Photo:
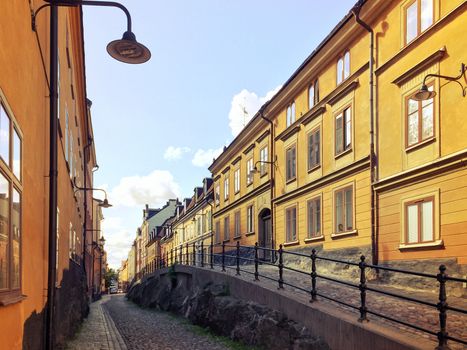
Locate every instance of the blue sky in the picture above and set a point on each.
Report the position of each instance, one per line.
(158, 125)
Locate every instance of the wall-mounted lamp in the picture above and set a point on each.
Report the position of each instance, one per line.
(255, 168)
(103, 204)
(424, 94)
(194, 217)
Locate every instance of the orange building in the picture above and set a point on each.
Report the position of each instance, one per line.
(24, 170)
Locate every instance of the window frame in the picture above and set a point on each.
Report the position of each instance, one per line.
(315, 86)
(262, 165)
(288, 238)
(12, 294)
(226, 228)
(419, 22)
(290, 119)
(217, 237)
(313, 200)
(236, 180)
(249, 171)
(312, 133)
(237, 224)
(340, 75)
(217, 194)
(250, 219)
(420, 119)
(419, 202)
(343, 190)
(336, 115)
(226, 188)
(294, 177)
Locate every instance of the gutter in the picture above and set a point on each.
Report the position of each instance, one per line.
(373, 157)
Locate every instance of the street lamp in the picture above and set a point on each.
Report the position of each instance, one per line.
(424, 94)
(255, 169)
(102, 203)
(126, 50)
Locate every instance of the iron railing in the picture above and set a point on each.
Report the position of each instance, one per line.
(199, 257)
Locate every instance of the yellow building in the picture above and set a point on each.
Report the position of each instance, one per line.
(242, 189)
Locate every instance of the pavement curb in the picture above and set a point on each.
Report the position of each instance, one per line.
(115, 340)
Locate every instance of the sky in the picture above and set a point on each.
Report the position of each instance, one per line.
(158, 126)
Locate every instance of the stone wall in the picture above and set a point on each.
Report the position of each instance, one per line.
(213, 307)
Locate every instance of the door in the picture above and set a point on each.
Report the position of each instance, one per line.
(265, 234)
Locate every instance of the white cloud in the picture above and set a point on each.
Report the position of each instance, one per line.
(153, 189)
(203, 158)
(118, 240)
(174, 153)
(244, 106)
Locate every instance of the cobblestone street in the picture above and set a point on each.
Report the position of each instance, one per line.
(116, 323)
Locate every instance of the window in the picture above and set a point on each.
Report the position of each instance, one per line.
(226, 228)
(291, 114)
(343, 200)
(314, 149)
(226, 188)
(249, 171)
(237, 181)
(290, 157)
(209, 220)
(249, 219)
(237, 230)
(199, 223)
(420, 120)
(263, 157)
(10, 206)
(418, 18)
(217, 195)
(313, 94)
(343, 130)
(291, 224)
(343, 67)
(218, 232)
(419, 221)
(314, 217)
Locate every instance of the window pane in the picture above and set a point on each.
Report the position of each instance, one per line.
(293, 113)
(346, 64)
(339, 212)
(16, 239)
(412, 132)
(288, 116)
(293, 161)
(16, 155)
(311, 222)
(4, 225)
(4, 136)
(311, 96)
(412, 223)
(310, 151)
(340, 68)
(293, 224)
(427, 14)
(427, 223)
(317, 144)
(411, 22)
(427, 122)
(339, 134)
(348, 134)
(317, 217)
(348, 209)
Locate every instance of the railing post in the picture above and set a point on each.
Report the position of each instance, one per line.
(202, 254)
(281, 268)
(313, 276)
(223, 256)
(238, 258)
(442, 307)
(211, 257)
(256, 262)
(362, 288)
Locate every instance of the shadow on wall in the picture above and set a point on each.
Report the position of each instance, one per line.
(71, 307)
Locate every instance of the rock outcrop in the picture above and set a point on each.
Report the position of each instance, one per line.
(212, 307)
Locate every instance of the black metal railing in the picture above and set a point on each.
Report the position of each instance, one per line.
(232, 253)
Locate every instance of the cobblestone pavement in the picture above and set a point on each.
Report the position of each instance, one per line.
(98, 331)
(410, 312)
(153, 330)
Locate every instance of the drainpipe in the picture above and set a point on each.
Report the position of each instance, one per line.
(373, 159)
(271, 172)
(53, 176)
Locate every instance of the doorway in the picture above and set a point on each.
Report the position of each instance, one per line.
(265, 234)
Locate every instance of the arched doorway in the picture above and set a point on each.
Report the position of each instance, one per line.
(265, 234)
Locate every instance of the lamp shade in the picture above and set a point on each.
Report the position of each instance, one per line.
(128, 50)
(424, 94)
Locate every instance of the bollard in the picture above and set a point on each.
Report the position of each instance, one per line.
(313, 276)
(362, 288)
(281, 268)
(256, 262)
(442, 307)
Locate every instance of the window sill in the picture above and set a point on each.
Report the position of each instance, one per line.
(288, 244)
(250, 233)
(237, 238)
(263, 175)
(344, 234)
(420, 144)
(314, 239)
(249, 184)
(226, 240)
(313, 168)
(437, 243)
(290, 181)
(343, 153)
(11, 298)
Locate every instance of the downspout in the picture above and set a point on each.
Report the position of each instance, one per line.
(85, 161)
(373, 159)
(53, 176)
(271, 171)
